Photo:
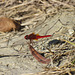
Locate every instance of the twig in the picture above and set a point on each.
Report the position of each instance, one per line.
(69, 42)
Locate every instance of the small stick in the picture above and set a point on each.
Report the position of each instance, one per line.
(69, 42)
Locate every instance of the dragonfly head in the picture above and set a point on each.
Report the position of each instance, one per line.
(26, 37)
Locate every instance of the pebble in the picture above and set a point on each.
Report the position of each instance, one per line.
(71, 31)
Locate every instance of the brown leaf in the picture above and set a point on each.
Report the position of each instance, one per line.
(7, 24)
(39, 57)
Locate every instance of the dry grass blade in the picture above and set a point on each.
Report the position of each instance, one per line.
(70, 6)
(69, 42)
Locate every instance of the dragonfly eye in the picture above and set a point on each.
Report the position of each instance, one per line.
(26, 37)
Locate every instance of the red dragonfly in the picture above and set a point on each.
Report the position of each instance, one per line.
(33, 36)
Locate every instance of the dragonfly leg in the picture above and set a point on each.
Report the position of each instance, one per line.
(31, 42)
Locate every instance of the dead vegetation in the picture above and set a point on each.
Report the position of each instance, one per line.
(7, 25)
(33, 11)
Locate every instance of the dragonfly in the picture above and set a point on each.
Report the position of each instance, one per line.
(34, 36)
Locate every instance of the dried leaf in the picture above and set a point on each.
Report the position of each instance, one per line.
(7, 24)
(39, 57)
